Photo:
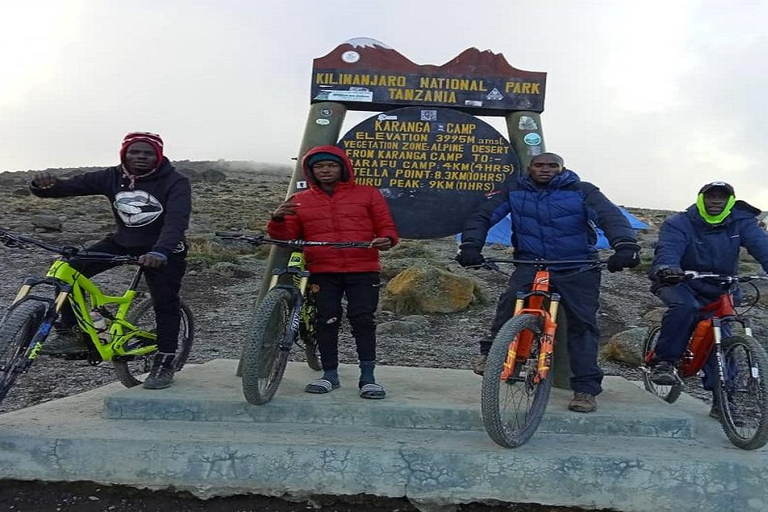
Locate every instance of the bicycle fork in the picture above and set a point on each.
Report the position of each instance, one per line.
(524, 340)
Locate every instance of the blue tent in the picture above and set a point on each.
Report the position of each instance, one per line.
(501, 232)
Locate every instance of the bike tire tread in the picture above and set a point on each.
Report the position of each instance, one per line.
(760, 438)
(490, 407)
(253, 351)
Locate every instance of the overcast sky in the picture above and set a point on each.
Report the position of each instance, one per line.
(647, 99)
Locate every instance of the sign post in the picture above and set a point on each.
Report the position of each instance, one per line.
(425, 149)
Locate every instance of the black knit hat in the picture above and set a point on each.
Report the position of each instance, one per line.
(717, 184)
(323, 157)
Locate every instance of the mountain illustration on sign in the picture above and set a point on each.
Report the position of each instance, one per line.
(377, 55)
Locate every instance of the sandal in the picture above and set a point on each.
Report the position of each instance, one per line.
(372, 391)
(321, 386)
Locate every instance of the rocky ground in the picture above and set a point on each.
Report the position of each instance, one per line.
(223, 281)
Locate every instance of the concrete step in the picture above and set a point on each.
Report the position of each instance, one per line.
(72, 440)
(417, 398)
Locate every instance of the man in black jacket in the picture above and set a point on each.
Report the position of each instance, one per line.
(151, 203)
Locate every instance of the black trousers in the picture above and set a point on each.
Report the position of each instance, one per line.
(164, 284)
(579, 295)
(362, 292)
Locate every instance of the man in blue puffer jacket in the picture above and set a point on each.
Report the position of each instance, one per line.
(553, 217)
(706, 237)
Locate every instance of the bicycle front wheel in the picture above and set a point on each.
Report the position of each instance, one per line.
(16, 332)
(265, 354)
(742, 398)
(512, 409)
(142, 316)
(667, 393)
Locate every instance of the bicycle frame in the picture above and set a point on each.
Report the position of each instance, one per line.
(520, 348)
(299, 275)
(85, 296)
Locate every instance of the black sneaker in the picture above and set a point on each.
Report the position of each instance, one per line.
(160, 377)
(65, 340)
(161, 374)
(663, 374)
(714, 412)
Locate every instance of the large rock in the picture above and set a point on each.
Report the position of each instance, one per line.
(626, 346)
(653, 317)
(428, 289)
(398, 327)
(393, 266)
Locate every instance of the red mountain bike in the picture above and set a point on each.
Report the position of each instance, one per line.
(741, 392)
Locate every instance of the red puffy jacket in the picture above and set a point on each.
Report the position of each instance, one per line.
(354, 213)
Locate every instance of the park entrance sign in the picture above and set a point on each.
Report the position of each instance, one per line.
(424, 148)
(424, 158)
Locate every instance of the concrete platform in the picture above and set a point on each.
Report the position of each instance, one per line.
(418, 398)
(249, 449)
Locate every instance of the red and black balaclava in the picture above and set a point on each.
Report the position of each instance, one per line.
(153, 140)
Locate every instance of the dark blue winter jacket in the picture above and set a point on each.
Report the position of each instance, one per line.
(555, 222)
(687, 242)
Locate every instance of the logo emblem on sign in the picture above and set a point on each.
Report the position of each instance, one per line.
(532, 139)
(495, 95)
(350, 57)
(429, 115)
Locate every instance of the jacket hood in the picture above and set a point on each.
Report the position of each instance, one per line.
(347, 172)
(741, 210)
(565, 178)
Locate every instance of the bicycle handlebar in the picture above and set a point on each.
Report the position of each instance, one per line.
(491, 263)
(724, 278)
(67, 251)
(294, 244)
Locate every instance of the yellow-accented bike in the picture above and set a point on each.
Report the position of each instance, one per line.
(114, 331)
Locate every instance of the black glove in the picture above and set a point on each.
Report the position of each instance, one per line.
(624, 257)
(670, 275)
(469, 256)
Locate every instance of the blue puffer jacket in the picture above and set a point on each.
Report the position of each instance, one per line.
(687, 242)
(556, 222)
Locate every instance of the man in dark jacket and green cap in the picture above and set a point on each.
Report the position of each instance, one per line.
(707, 237)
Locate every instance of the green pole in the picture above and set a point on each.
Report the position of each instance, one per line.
(520, 125)
(323, 127)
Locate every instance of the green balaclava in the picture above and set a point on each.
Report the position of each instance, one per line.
(715, 219)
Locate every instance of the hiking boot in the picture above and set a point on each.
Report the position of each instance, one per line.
(66, 340)
(478, 364)
(664, 374)
(714, 412)
(161, 374)
(583, 402)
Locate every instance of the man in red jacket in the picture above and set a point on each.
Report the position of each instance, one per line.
(335, 209)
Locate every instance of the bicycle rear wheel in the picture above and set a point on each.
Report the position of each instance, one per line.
(667, 393)
(129, 369)
(16, 332)
(743, 399)
(512, 409)
(265, 354)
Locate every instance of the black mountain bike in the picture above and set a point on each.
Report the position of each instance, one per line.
(286, 315)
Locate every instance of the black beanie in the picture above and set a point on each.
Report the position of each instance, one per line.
(321, 157)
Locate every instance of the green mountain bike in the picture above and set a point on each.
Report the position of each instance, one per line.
(127, 337)
(286, 315)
